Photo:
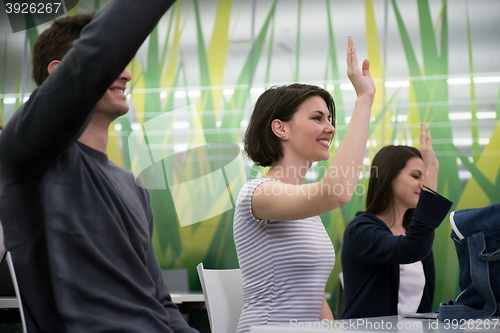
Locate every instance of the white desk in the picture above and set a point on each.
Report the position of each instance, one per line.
(384, 324)
(8, 303)
(179, 298)
(11, 302)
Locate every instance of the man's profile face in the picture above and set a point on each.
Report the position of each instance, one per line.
(113, 103)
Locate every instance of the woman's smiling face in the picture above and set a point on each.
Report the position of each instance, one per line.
(310, 131)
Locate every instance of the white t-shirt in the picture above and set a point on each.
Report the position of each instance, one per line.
(411, 287)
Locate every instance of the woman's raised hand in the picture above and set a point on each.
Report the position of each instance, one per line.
(429, 156)
(426, 148)
(360, 79)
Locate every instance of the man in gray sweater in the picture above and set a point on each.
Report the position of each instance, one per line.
(78, 227)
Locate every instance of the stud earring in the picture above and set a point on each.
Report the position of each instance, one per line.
(283, 136)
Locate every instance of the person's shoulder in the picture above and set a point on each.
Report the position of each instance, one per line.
(102, 161)
(258, 181)
(130, 182)
(247, 190)
(126, 174)
(363, 220)
(249, 187)
(363, 217)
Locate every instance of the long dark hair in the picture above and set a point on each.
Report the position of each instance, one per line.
(386, 165)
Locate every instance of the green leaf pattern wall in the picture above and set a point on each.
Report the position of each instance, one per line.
(429, 58)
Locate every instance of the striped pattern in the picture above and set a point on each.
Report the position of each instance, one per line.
(284, 265)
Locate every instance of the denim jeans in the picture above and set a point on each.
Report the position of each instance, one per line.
(476, 233)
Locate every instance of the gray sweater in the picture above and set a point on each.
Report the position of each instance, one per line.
(78, 227)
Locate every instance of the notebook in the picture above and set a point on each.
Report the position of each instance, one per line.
(427, 315)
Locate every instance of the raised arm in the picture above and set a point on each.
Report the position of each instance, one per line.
(350, 154)
(371, 243)
(280, 201)
(430, 160)
(59, 110)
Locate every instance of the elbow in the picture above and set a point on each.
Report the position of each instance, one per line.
(339, 200)
(335, 195)
(338, 196)
(418, 252)
(344, 198)
(424, 252)
(345, 194)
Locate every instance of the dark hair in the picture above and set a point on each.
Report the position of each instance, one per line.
(386, 165)
(278, 102)
(55, 42)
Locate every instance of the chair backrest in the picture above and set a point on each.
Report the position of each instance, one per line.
(340, 297)
(223, 291)
(8, 257)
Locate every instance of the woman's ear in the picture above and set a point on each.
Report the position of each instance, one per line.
(52, 65)
(279, 129)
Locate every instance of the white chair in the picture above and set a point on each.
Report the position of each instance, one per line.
(8, 257)
(223, 293)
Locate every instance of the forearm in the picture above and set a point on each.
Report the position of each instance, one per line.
(177, 322)
(371, 244)
(367, 240)
(58, 111)
(326, 312)
(431, 209)
(344, 169)
(431, 177)
(429, 157)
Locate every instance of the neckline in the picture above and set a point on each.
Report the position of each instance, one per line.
(98, 155)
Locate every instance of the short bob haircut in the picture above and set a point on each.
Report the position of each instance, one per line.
(386, 165)
(54, 42)
(279, 102)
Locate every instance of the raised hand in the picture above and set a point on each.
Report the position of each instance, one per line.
(426, 149)
(429, 156)
(360, 79)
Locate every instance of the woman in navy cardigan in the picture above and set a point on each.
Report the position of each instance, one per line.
(387, 258)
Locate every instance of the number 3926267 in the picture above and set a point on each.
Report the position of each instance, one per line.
(32, 8)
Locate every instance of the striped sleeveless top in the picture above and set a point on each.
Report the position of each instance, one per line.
(284, 265)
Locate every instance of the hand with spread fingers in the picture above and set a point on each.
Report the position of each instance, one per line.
(360, 79)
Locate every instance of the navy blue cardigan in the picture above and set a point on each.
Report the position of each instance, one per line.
(371, 256)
